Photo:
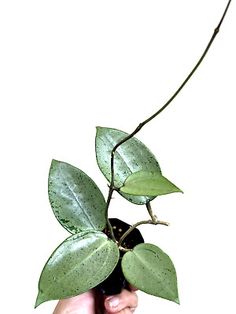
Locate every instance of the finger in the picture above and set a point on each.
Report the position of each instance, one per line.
(127, 311)
(125, 300)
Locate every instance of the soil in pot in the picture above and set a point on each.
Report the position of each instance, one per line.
(116, 281)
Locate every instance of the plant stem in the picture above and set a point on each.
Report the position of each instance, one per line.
(132, 228)
(111, 190)
(121, 248)
(143, 222)
(142, 124)
(149, 208)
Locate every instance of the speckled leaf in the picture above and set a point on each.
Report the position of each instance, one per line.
(80, 263)
(149, 269)
(130, 157)
(77, 202)
(148, 183)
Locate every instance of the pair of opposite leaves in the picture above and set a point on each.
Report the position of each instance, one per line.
(88, 257)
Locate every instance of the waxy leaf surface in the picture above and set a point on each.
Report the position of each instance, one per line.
(80, 263)
(149, 269)
(148, 183)
(77, 202)
(130, 157)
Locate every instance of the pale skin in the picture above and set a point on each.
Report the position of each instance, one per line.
(93, 303)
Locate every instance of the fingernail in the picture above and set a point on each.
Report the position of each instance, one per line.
(113, 302)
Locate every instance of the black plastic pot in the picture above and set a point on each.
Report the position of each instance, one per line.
(116, 281)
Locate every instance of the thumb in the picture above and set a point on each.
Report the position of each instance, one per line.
(119, 302)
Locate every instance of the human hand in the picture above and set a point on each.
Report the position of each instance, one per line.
(93, 303)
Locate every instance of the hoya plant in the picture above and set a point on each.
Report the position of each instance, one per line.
(103, 252)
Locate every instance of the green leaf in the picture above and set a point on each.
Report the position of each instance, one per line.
(130, 157)
(149, 269)
(80, 263)
(77, 202)
(148, 183)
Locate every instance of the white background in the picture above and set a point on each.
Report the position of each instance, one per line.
(68, 66)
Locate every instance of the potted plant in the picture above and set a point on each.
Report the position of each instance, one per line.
(105, 252)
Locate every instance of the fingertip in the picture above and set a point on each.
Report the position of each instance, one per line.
(111, 303)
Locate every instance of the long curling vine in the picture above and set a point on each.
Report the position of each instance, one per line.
(112, 187)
